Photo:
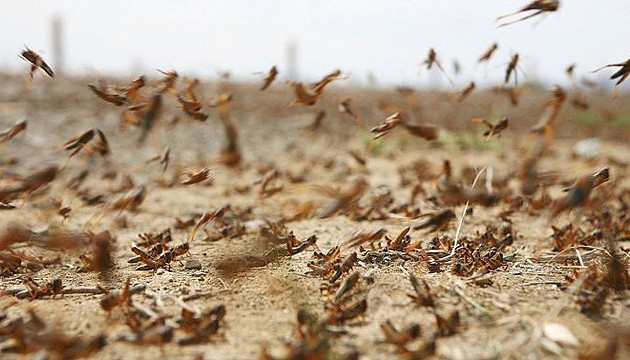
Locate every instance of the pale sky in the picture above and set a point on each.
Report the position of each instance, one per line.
(388, 38)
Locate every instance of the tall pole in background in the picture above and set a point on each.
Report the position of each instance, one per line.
(292, 60)
(57, 44)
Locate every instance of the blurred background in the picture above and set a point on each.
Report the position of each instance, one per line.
(384, 42)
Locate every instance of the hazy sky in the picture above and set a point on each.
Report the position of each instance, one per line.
(388, 38)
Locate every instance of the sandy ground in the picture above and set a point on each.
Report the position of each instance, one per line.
(504, 317)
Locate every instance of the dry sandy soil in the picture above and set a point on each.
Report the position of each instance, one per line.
(504, 313)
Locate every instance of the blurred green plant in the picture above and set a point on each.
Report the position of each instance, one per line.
(592, 118)
(373, 147)
(466, 140)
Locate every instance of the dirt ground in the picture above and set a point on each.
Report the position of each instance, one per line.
(504, 312)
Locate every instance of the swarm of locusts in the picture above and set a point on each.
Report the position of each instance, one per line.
(439, 234)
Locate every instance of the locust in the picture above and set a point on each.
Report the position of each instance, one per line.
(197, 177)
(318, 87)
(397, 337)
(493, 129)
(363, 236)
(30, 183)
(549, 120)
(317, 121)
(162, 159)
(512, 69)
(269, 78)
(537, 6)
(485, 57)
(80, 142)
(189, 102)
(425, 131)
(570, 70)
(309, 96)
(466, 91)
(149, 114)
(422, 293)
(10, 133)
(578, 194)
(345, 197)
(432, 59)
(346, 286)
(108, 95)
(622, 73)
(294, 246)
(387, 125)
(437, 221)
(167, 83)
(345, 108)
(37, 291)
(37, 62)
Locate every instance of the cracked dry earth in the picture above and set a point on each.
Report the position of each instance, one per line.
(523, 308)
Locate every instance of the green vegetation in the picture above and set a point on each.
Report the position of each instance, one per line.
(466, 140)
(592, 118)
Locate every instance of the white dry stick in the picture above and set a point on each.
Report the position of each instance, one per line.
(225, 286)
(581, 256)
(404, 271)
(180, 301)
(461, 220)
(577, 251)
(489, 179)
(146, 311)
